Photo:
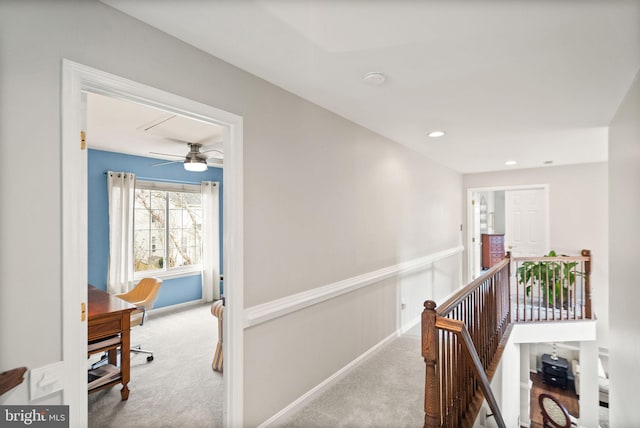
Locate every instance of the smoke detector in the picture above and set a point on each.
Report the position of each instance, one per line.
(374, 78)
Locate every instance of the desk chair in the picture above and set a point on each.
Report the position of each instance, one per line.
(143, 295)
(217, 310)
(554, 414)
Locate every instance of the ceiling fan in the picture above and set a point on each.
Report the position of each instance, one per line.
(194, 160)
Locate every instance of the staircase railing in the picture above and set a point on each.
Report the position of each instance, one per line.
(463, 339)
(554, 288)
(462, 342)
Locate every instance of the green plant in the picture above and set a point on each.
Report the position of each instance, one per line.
(553, 277)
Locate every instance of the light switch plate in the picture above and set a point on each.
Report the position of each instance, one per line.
(46, 380)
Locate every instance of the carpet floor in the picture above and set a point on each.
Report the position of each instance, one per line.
(385, 390)
(178, 388)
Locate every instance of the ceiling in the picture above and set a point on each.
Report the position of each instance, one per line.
(126, 127)
(530, 81)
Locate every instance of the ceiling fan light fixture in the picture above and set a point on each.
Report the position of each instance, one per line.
(195, 164)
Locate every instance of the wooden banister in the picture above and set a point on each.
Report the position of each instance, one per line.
(587, 284)
(430, 351)
(458, 297)
(463, 339)
(461, 331)
(11, 378)
(553, 288)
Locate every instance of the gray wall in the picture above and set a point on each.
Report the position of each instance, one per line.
(624, 229)
(578, 218)
(324, 198)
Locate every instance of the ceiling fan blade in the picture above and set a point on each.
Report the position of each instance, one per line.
(215, 161)
(167, 154)
(165, 163)
(213, 150)
(177, 140)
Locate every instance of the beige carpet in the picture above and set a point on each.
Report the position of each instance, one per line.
(178, 388)
(386, 391)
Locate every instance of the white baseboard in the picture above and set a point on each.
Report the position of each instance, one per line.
(324, 385)
(177, 307)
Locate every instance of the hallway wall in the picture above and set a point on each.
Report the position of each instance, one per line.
(579, 216)
(624, 200)
(324, 199)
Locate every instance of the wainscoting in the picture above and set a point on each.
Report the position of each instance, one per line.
(280, 307)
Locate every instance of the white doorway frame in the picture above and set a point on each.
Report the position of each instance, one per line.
(470, 213)
(77, 79)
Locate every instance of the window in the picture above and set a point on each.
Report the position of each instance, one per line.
(167, 227)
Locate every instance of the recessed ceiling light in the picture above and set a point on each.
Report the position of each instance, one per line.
(436, 134)
(375, 78)
(510, 162)
(549, 162)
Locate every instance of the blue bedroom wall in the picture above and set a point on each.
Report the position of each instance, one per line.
(173, 291)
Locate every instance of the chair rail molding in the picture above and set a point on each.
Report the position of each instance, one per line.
(264, 312)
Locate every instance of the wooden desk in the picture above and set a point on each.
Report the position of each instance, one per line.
(110, 316)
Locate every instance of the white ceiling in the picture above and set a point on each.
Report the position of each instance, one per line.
(125, 127)
(531, 81)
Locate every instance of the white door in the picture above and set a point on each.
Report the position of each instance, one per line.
(526, 222)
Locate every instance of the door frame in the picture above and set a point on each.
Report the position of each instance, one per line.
(470, 217)
(77, 79)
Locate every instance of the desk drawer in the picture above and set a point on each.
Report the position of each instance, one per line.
(104, 327)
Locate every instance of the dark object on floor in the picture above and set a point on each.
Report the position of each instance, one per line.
(554, 414)
(555, 371)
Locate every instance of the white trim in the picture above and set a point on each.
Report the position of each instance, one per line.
(168, 186)
(74, 249)
(324, 385)
(233, 259)
(77, 78)
(276, 308)
(168, 274)
(177, 307)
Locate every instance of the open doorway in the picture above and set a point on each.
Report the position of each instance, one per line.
(169, 243)
(501, 219)
(76, 80)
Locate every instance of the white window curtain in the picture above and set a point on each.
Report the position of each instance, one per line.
(121, 190)
(210, 241)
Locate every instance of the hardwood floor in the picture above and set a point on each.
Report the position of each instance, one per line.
(567, 397)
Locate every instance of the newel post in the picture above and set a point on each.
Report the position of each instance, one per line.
(432, 417)
(587, 284)
(508, 256)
